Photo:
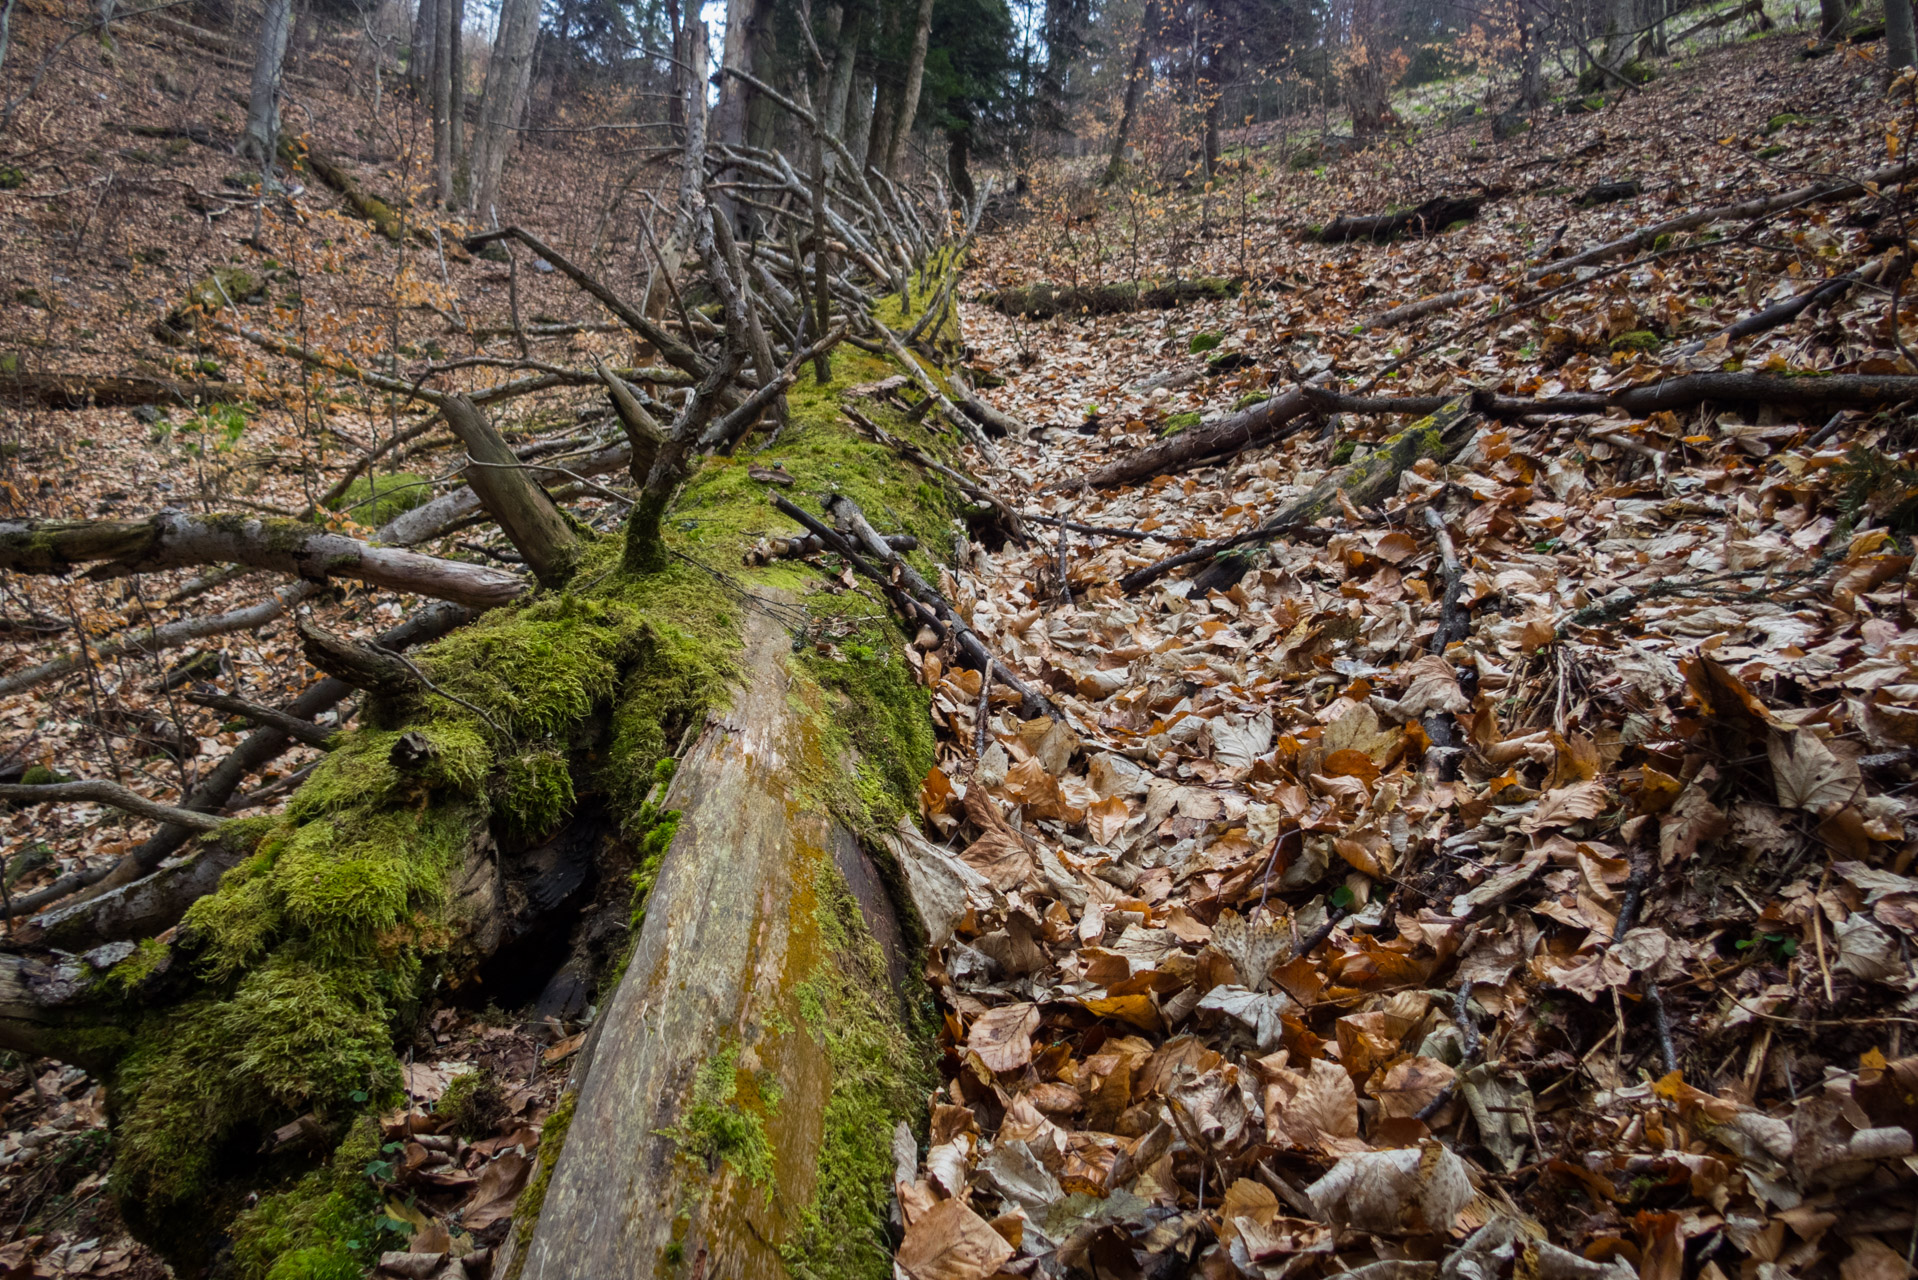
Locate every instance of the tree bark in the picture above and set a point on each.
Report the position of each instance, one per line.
(517, 503)
(261, 136)
(909, 91)
(442, 102)
(714, 971)
(859, 112)
(1366, 91)
(1901, 44)
(1138, 75)
(1832, 17)
(1261, 424)
(419, 59)
(172, 539)
(508, 76)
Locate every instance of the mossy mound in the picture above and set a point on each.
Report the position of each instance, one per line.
(1635, 341)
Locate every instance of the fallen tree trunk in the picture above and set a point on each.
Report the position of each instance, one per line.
(1044, 301)
(1261, 424)
(723, 973)
(1836, 188)
(53, 390)
(1430, 218)
(1836, 390)
(1365, 483)
(172, 539)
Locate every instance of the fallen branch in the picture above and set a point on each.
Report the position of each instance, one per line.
(967, 427)
(296, 727)
(677, 353)
(1014, 520)
(1044, 301)
(1364, 483)
(1262, 423)
(172, 539)
(99, 791)
(1743, 211)
(1852, 390)
(1410, 311)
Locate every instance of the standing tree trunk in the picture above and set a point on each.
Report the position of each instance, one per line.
(1366, 91)
(456, 101)
(692, 44)
(1137, 77)
(508, 76)
(1901, 46)
(442, 74)
(1531, 72)
(857, 129)
(263, 103)
(958, 169)
(1212, 78)
(909, 90)
(419, 58)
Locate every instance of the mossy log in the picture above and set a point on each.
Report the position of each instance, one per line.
(303, 152)
(1044, 301)
(746, 1080)
(172, 539)
(54, 390)
(410, 856)
(1430, 218)
(1367, 482)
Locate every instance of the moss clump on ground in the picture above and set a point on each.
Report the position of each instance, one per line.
(719, 1125)
(473, 1105)
(1636, 340)
(882, 1069)
(327, 1226)
(373, 500)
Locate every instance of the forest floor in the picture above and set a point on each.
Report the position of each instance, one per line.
(1634, 975)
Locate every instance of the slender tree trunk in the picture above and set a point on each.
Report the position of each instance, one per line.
(694, 50)
(845, 59)
(419, 59)
(1901, 46)
(443, 103)
(263, 104)
(909, 90)
(958, 155)
(728, 124)
(1365, 88)
(1213, 84)
(1531, 75)
(859, 112)
(508, 77)
(456, 100)
(1137, 77)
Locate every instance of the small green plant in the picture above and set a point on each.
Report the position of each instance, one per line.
(11, 178)
(217, 426)
(1785, 947)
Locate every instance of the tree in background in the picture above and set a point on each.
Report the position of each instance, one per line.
(509, 74)
(262, 134)
(967, 72)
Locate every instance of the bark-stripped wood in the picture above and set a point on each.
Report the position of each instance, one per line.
(721, 951)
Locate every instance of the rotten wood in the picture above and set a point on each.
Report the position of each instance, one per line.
(1263, 423)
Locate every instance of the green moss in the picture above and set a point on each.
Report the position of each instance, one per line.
(538, 672)
(40, 775)
(223, 285)
(11, 178)
(1203, 342)
(291, 1037)
(552, 1140)
(1178, 422)
(1786, 120)
(1249, 399)
(131, 973)
(473, 1105)
(373, 500)
(1637, 340)
(878, 716)
(329, 1224)
(719, 1125)
(535, 791)
(881, 1071)
(1342, 451)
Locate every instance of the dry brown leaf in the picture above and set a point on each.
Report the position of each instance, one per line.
(951, 1242)
(1002, 1037)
